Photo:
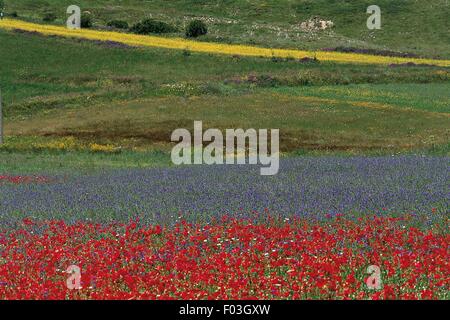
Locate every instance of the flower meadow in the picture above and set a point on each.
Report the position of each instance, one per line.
(225, 232)
(304, 187)
(226, 259)
(94, 207)
(210, 47)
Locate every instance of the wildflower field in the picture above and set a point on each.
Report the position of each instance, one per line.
(309, 233)
(226, 259)
(93, 207)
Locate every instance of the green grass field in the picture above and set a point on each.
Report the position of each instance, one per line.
(63, 97)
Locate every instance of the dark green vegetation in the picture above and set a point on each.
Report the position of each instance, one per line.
(86, 21)
(196, 28)
(149, 26)
(419, 27)
(118, 24)
(49, 17)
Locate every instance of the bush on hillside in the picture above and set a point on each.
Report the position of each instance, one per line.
(148, 26)
(118, 24)
(196, 28)
(49, 17)
(86, 21)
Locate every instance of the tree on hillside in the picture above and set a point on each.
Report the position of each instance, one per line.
(2, 5)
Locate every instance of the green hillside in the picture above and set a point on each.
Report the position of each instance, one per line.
(419, 27)
(70, 97)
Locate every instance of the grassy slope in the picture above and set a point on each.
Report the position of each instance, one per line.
(35, 73)
(305, 122)
(137, 97)
(431, 97)
(407, 25)
(62, 162)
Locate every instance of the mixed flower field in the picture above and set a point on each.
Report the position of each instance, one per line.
(195, 233)
(91, 207)
(304, 186)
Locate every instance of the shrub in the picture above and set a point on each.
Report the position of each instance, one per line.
(152, 26)
(186, 52)
(196, 28)
(49, 17)
(86, 21)
(14, 14)
(118, 24)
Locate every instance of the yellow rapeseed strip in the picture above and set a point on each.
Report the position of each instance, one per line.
(209, 47)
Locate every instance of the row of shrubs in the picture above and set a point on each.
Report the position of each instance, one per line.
(147, 26)
(194, 29)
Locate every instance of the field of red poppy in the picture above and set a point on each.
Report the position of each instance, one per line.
(16, 179)
(226, 259)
